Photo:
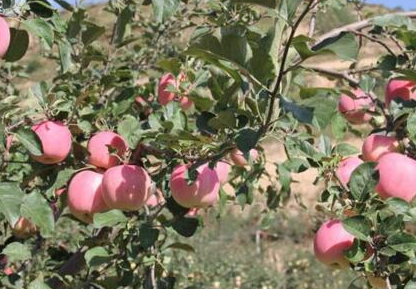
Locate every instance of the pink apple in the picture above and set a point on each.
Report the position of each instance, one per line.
(402, 89)
(331, 241)
(238, 157)
(202, 193)
(99, 148)
(346, 168)
(355, 109)
(185, 103)
(85, 195)
(223, 170)
(24, 228)
(375, 146)
(397, 177)
(56, 140)
(126, 187)
(4, 37)
(193, 212)
(166, 96)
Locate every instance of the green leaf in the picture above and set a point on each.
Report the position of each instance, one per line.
(265, 3)
(339, 126)
(345, 149)
(391, 224)
(358, 226)
(285, 178)
(30, 140)
(357, 252)
(38, 284)
(129, 129)
(402, 242)
(123, 21)
(91, 32)
(247, 139)
(164, 9)
(367, 83)
(65, 50)
(17, 252)
(181, 246)
(398, 206)
(61, 180)
(185, 227)
(96, 256)
(109, 219)
(36, 209)
(363, 181)
(19, 43)
(393, 20)
(11, 197)
(410, 285)
(411, 126)
(40, 28)
(148, 236)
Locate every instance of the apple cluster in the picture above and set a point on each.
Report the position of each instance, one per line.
(332, 240)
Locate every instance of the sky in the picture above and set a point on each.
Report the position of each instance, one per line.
(406, 4)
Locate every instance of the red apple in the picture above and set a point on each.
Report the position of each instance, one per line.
(397, 177)
(402, 89)
(166, 96)
(331, 241)
(223, 169)
(154, 199)
(202, 193)
(355, 109)
(238, 158)
(24, 228)
(375, 146)
(126, 187)
(56, 140)
(185, 103)
(346, 168)
(85, 195)
(100, 153)
(4, 37)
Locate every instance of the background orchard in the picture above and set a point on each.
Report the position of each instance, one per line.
(207, 144)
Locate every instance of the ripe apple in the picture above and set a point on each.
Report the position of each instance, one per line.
(166, 96)
(193, 212)
(202, 193)
(56, 140)
(397, 176)
(85, 195)
(346, 168)
(223, 169)
(402, 89)
(185, 103)
(355, 109)
(100, 153)
(377, 282)
(238, 158)
(24, 228)
(375, 146)
(330, 242)
(4, 36)
(126, 187)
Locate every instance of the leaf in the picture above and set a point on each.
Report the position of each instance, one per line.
(38, 284)
(61, 180)
(164, 9)
(40, 28)
(19, 43)
(410, 285)
(36, 209)
(17, 252)
(185, 227)
(65, 50)
(91, 32)
(148, 236)
(11, 197)
(357, 252)
(345, 149)
(41, 8)
(301, 113)
(358, 226)
(265, 3)
(30, 140)
(130, 130)
(247, 139)
(367, 83)
(391, 224)
(393, 20)
(123, 20)
(109, 219)
(339, 126)
(181, 246)
(402, 242)
(398, 206)
(363, 181)
(411, 126)
(97, 256)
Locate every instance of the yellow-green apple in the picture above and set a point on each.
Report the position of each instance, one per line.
(56, 140)
(375, 145)
(201, 193)
(100, 146)
(397, 176)
(126, 187)
(330, 243)
(356, 108)
(85, 195)
(346, 168)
